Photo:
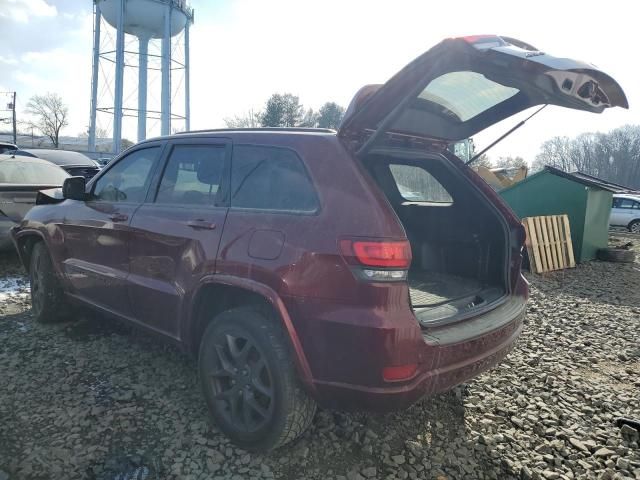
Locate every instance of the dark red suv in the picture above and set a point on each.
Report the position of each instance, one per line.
(358, 269)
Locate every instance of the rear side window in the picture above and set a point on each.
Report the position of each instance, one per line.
(193, 175)
(415, 184)
(270, 178)
(627, 203)
(128, 180)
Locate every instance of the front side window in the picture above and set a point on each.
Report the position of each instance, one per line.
(270, 178)
(415, 184)
(193, 175)
(128, 180)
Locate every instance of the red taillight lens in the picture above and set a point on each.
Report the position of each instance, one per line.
(395, 374)
(385, 254)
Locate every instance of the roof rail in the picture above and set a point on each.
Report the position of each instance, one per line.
(261, 129)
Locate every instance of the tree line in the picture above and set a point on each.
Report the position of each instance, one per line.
(285, 110)
(613, 156)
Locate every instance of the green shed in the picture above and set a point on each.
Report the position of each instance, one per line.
(586, 201)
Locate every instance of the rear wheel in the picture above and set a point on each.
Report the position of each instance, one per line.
(249, 381)
(47, 298)
(634, 227)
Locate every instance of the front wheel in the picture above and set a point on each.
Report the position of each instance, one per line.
(47, 298)
(249, 381)
(634, 227)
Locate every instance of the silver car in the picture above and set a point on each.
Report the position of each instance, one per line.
(20, 180)
(626, 212)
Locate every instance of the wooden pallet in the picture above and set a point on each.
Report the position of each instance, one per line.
(549, 243)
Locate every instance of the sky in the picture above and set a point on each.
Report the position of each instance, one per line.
(242, 51)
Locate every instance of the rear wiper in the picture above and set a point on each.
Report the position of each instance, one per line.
(482, 152)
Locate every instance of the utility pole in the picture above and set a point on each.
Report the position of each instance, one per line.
(11, 106)
(15, 131)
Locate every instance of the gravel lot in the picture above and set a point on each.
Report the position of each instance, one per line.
(93, 399)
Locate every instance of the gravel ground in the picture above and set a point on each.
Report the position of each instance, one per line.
(93, 399)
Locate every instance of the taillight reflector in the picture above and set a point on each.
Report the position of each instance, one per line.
(403, 372)
(385, 254)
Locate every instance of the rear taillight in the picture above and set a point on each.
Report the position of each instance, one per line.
(378, 260)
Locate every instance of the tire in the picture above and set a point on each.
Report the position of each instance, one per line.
(48, 303)
(634, 227)
(617, 255)
(243, 352)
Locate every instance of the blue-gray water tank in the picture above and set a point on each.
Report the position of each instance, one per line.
(145, 18)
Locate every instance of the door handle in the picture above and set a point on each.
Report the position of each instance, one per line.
(119, 217)
(201, 224)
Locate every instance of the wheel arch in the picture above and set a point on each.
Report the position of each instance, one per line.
(218, 293)
(24, 242)
(632, 222)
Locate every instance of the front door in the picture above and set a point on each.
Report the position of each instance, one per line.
(176, 233)
(96, 232)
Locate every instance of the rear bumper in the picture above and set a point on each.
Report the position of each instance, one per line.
(448, 356)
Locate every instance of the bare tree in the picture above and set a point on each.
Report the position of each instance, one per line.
(49, 115)
(612, 156)
(250, 119)
(510, 162)
(484, 161)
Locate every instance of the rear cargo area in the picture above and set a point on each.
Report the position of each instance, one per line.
(458, 239)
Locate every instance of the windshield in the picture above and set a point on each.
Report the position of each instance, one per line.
(464, 95)
(23, 172)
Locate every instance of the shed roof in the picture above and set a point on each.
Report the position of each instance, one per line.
(618, 188)
(577, 177)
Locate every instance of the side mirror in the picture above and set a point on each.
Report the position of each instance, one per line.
(74, 188)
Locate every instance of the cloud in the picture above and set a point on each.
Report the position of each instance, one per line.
(8, 60)
(22, 10)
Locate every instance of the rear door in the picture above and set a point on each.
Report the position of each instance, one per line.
(177, 231)
(464, 85)
(97, 231)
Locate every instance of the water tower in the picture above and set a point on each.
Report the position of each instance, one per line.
(152, 37)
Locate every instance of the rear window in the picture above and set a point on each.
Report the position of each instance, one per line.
(415, 184)
(464, 95)
(270, 178)
(25, 172)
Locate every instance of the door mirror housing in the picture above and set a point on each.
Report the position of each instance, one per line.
(74, 188)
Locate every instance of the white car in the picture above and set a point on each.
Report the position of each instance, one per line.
(626, 212)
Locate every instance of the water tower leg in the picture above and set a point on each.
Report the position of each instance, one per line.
(117, 108)
(165, 93)
(187, 87)
(143, 52)
(94, 79)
